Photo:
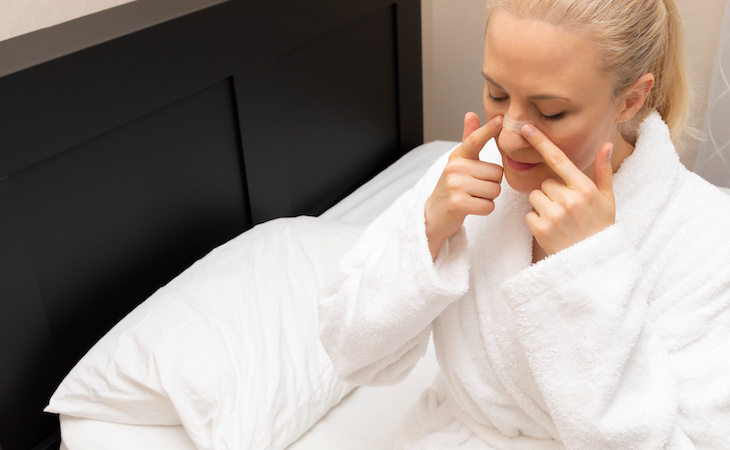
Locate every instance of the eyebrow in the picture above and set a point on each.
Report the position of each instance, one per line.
(531, 97)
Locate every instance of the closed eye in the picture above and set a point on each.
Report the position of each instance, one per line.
(492, 98)
(496, 99)
(554, 116)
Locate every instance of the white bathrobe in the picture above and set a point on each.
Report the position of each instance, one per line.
(619, 341)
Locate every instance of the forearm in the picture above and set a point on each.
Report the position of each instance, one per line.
(376, 312)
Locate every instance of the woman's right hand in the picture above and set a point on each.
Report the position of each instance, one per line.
(467, 184)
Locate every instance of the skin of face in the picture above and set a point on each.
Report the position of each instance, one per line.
(542, 73)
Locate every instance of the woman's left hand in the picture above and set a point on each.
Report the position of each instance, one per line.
(568, 211)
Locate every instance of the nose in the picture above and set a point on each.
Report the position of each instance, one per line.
(510, 137)
(515, 125)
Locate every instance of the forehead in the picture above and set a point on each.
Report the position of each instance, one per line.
(532, 54)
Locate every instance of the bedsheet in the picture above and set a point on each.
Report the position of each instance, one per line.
(349, 424)
(366, 419)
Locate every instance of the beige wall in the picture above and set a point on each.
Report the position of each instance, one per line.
(23, 16)
(452, 52)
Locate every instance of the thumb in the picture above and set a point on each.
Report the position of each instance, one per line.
(603, 170)
(471, 124)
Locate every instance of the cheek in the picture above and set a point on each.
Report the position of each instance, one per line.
(578, 149)
(581, 146)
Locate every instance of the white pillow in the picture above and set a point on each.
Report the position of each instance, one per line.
(229, 348)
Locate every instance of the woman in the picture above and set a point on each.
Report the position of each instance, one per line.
(585, 301)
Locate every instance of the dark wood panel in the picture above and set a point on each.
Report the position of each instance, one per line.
(355, 92)
(61, 103)
(346, 79)
(27, 349)
(103, 86)
(410, 80)
(136, 204)
(124, 161)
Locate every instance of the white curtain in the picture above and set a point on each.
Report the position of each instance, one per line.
(713, 157)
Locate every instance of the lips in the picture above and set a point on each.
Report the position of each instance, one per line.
(518, 165)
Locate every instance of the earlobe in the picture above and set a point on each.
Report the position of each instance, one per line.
(636, 96)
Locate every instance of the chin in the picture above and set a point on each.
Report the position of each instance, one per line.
(523, 182)
(520, 185)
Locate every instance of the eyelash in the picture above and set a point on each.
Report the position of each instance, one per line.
(553, 117)
(502, 99)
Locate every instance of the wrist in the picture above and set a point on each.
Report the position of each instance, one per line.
(434, 246)
(434, 239)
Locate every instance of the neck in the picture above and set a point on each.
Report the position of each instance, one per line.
(622, 149)
(537, 252)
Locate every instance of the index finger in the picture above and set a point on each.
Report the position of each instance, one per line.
(553, 155)
(471, 123)
(473, 144)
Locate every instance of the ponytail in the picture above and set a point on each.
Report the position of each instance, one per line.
(671, 94)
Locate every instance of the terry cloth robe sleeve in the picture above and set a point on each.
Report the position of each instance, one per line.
(616, 369)
(375, 313)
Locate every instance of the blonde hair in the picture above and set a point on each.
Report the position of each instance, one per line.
(633, 37)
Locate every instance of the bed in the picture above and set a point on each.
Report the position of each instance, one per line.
(296, 401)
(141, 139)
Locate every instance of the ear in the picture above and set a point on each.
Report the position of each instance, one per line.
(635, 97)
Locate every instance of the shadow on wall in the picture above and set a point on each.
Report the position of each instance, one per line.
(18, 18)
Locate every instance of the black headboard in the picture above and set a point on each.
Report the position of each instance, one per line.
(135, 140)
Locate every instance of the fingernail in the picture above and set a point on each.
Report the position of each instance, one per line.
(497, 121)
(610, 152)
(528, 130)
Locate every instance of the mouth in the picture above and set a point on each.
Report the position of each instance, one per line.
(519, 165)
